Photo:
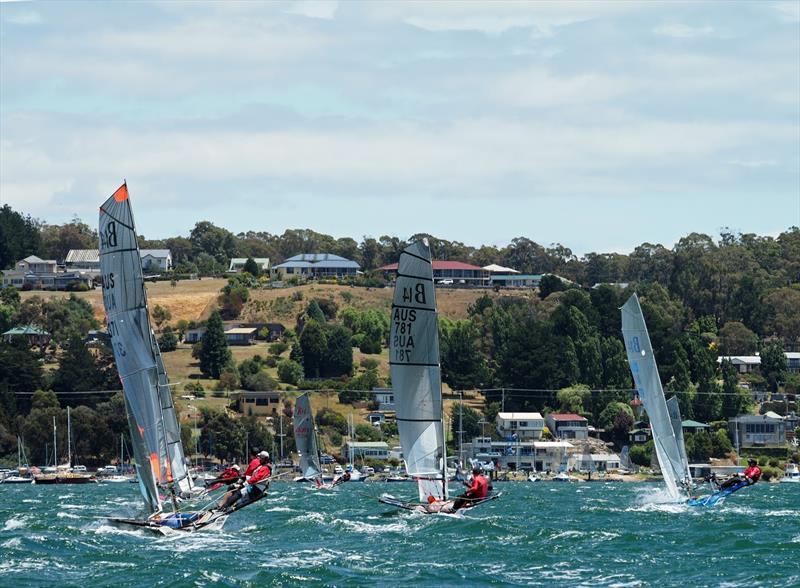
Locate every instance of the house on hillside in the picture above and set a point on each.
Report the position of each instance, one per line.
(35, 335)
(194, 335)
(256, 403)
(156, 260)
(523, 425)
(354, 450)
(266, 331)
(240, 335)
(153, 260)
(33, 273)
(384, 397)
(316, 265)
(568, 426)
(450, 272)
(751, 430)
(237, 264)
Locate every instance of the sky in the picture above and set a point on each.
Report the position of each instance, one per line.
(597, 125)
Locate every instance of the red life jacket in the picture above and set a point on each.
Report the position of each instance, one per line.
(262, 473)
(479, 488)
(753, 472)
(251, 467)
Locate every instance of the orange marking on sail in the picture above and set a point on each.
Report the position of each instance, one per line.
(169, 472)
(141, 430)
(121, 195)
(155, 466)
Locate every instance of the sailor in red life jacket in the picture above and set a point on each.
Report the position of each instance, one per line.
(253, 463)
(250, 492)
(477, 491)
(751, 475)
(228, 476)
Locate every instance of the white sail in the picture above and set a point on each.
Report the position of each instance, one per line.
(671, 456)
(677, 427)
(416, 377)
(159, 456)
(305, 438)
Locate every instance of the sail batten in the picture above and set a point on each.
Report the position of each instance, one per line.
(668, 442)
(155, 434)
(415, 370)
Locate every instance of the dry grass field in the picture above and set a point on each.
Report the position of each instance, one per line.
(191, 300)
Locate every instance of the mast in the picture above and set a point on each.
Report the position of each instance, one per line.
(69, 440)
(55, 451)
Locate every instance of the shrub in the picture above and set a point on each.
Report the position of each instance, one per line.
(270, 361)
(168, 341)
(289, 372)
(369, 364)
(193, 387)
(278, 348)
(336, 438)
(297, 296)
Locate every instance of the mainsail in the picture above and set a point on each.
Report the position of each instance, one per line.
(669, 448)
(151, 416)
(416, 377)
(305, 438)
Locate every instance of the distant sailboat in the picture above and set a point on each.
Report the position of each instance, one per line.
(416, 379)
(155, 435)
(305, 438)
(23, 475)
(664, 417)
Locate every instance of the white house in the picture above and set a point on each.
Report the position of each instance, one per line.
(568, 426)
(156, 259)
(525, 425)
(384, 397)
(237, 264)
(365, 449)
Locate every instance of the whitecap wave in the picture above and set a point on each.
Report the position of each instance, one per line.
(11, 543)
(15, 523)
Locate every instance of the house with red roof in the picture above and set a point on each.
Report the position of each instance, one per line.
(568, 426)
(451, 273)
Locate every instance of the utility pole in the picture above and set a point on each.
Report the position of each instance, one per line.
(461, 427)
(55, 451)
(281, 434)
(503, 403)
(69, 440)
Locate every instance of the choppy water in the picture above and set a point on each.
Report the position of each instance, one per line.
(545, 533)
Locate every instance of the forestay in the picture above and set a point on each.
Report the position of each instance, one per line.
(669, 449)
(305, 438)
(414, 365)
(151, 417)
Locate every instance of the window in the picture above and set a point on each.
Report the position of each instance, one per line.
(261, 402)
(523, 424)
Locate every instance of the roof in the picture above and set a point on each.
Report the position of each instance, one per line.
(519, 416)
(566, 417)
(690, 424)
(368, 444)
(26, 330)
(746, 359)
(517, 276)
(155, 252)
(34, 259)
(441, 265)
(553, 445)
(241, 331)
(243, 260)
(493, 267)
(318, 260)
(83, 256)
(772, 415)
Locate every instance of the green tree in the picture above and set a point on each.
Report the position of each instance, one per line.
(78, 370)
(251, 267)
(20, 369)
(19, 237)
(314, 312)
(736, 339)
(289, 372)
(469, 419)
(550, 283)
(774, 366)
(698, 447)
(463, 365)
(338, 359)
(221, 436)
(161, 315)
(575, 399)
(721, 444)
(731, 395)
(313, 345)
(168, 341)
(641, 455)
(214, 353)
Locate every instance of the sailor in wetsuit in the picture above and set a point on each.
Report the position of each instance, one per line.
(250, 491)
(752, 474)
(477, 491)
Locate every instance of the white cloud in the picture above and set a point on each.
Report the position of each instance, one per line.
(788, 11)
(537, 87)
(682, 31)
(753, 163)
(495, 17)
(325, 9)
(22, 17)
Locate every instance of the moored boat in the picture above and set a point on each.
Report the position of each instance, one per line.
(791, 475)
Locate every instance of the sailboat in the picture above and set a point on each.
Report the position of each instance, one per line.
(665, 420)
(416, 379)
(305, 438)
(23, 475)
(64, 473)
(155, 434)
(120, 476)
